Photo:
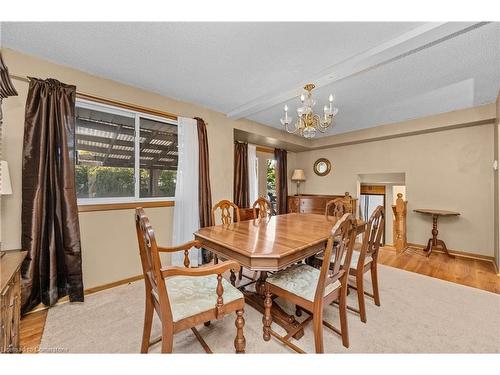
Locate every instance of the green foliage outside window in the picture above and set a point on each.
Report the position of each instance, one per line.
(107, 182)
(271, 177)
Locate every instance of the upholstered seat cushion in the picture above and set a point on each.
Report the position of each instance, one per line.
(354, 259)
(191, 295)
(301, 280)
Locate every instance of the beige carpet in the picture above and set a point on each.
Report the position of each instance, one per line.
(419, 314)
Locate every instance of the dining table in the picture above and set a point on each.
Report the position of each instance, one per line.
(269, 245)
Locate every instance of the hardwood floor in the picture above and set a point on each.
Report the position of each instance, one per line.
(471, 272)
(31, 331)
(466, 271)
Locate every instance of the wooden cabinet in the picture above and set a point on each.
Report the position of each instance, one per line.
(312, 204)
(10, 301)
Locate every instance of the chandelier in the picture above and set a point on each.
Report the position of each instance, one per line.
(309, 122)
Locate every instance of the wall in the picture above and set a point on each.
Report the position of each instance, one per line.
(108, 238)
(496, 200)
(449, 170)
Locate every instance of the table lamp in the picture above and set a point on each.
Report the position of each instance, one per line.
(298, 176)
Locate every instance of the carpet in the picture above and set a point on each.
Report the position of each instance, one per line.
(419, 314)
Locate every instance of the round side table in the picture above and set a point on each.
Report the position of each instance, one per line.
(434, 241)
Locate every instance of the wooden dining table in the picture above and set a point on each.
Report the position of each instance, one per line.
(270, 245)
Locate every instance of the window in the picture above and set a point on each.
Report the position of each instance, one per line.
(113, 165)
(271, 181)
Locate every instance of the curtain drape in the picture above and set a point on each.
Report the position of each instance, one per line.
(281, 180)
(50, 227)
(204, 189)
(186, 210)
(253, 180)
(6, 87)
(240, 185)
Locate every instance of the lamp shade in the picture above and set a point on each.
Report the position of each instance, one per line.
(5, 186)
(298, 175)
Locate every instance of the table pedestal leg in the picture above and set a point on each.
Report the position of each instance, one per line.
(434, 241)
(280, 317)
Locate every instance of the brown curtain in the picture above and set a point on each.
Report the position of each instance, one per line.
(240, 186)
(281, 181)
(6, 88)
(50, 228)
(204, 189)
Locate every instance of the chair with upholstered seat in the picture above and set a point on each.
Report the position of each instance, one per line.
(336, 207)
(264, 206)
(224, 208)
(366, 259)
(184, 297)
(313, 289)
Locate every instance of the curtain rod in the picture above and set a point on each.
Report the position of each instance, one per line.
(113, 102)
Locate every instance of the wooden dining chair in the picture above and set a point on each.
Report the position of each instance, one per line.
(365, 260)
(313, 289)
(184, 297)
(336, 207)
(224, 207)
(265, 208)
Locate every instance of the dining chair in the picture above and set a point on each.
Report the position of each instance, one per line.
(264, 206)
(336, 207)
(313, 289)
(225, 207)
(184, 297)
(366, 259)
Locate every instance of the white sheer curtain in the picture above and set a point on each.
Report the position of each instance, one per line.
(186, 211)
(253, 181)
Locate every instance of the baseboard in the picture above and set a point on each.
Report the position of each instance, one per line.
(457, 253)
(89, 291)
(113, 284)
(496, 268)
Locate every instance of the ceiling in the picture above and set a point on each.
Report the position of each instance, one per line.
(380, 72)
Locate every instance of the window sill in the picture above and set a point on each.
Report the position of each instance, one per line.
(124, 206)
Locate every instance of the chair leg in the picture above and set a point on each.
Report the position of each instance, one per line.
(343, 318)
(376, 295)
(239, 341)
(167, 340)
(240, 275)
(361, 296)
(267, 318)
(148, 322)
(318, 331)
(216, 259)
(298, 310)
(232, 278)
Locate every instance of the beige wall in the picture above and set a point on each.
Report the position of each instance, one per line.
(108, 238)
(496, 199)
(449, 170)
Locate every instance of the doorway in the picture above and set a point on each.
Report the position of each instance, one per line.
(386, 184)
(371, 196)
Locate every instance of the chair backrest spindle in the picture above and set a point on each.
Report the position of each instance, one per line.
(265, 208)
(225, 211)
(340, 245)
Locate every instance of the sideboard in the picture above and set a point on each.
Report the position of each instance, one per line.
(313, 203)
(10, 300)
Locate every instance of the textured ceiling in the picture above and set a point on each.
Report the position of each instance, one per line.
(224, 66)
